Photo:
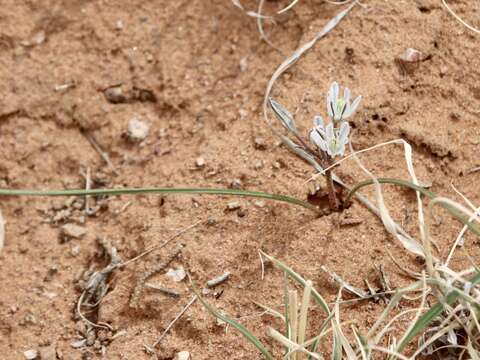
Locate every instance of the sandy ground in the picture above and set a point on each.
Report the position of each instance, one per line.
(196, 71)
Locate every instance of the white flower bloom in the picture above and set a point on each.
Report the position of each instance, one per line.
(340, 108)
(328, 139)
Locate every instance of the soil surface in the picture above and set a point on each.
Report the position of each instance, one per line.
(74, 73)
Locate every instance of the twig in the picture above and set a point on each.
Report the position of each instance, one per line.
(167, 291)
(88, 185)
(185, 308)
(354, 290)
(219, 279)
(91, 139)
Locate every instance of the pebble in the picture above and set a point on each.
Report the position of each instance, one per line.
(115, 95)
(137, 130)
(30, 354)
(200, 162)
(259, 164)
(177, 275)
(260, 204)
(182, 355)
(75, 251)
(260, 143)
(78, 343)
(234, 205)
(236, 184)
(119, 25)
(73, 231)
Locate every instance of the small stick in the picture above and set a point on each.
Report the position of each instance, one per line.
(185, 308)
(167, 291)
(100, 151)
(218, 280)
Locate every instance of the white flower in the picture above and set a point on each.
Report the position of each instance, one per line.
(328, 139)
(340, 108)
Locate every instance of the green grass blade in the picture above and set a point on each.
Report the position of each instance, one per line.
(159, 190)
(404, 183)
(297, 278)
(242, 329)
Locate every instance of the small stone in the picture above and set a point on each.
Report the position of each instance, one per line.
(259, 164)
(39, 38)
(177, 275)
(119, 25)
(137, 130)
(260, 143)
(115, 95)
(48, 353)
(78, 344)
(234, 205)
(30, 319)
(75, 251)
(260, 204)
(200, 162)
(243, 64)
(30, 354)
(182, 355)
(243, 113)
(236, 184)
(73, 231)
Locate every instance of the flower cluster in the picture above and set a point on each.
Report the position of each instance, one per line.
(334, 136)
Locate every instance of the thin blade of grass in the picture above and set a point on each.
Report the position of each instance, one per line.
(293, 316)
(159, 190)
(242, 329)
(302, 322)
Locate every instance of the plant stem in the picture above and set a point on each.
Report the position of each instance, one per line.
(332, 196)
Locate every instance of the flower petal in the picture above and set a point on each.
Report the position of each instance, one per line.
(317, 139)
(343, 133)
(329, 133)
(352, 108)
(346, 96)
(334, 91)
